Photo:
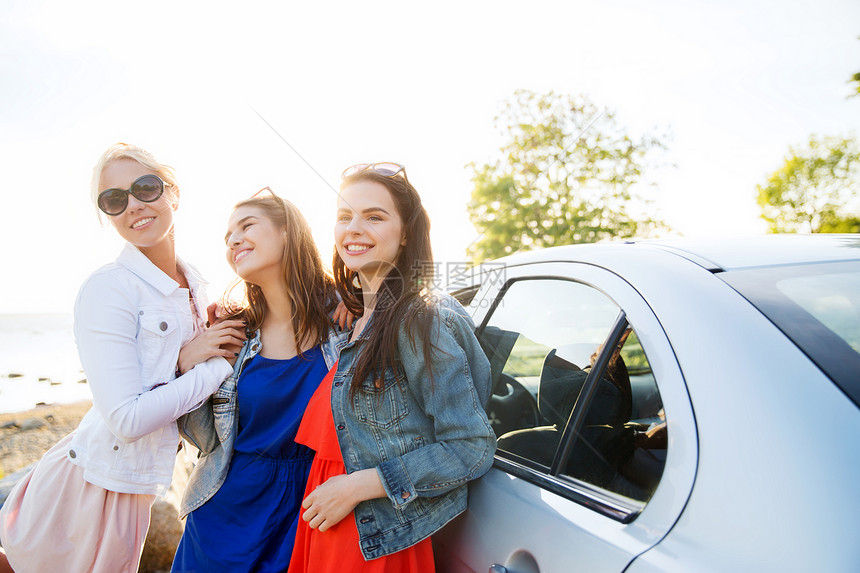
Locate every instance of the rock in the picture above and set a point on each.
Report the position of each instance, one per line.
(44, 379)
(14, 375)
(82, 381)
(55, 383)
(10, 424)
(165, 529)
(8, 482)
(33, 424)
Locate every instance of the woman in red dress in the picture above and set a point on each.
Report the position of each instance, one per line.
(398, 425)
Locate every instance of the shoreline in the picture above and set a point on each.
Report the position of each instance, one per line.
(21, 390)
(26, 435)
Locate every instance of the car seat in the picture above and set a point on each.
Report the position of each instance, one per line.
(598, 445)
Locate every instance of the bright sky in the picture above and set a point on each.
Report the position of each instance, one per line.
(736, 82)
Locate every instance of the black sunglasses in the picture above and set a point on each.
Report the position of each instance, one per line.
(147, 188)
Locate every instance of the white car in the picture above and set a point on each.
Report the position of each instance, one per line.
(686, 405)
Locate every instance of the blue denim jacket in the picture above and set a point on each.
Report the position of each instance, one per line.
(212, 428)
(427, 438)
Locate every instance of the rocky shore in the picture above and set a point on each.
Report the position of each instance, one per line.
(26, 436)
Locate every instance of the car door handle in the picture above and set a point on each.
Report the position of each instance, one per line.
(496, 568)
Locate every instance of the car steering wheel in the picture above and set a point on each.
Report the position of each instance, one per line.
(515, 409)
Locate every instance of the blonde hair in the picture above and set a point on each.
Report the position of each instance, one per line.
(128, 152)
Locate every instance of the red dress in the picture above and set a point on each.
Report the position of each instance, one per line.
(337, 549)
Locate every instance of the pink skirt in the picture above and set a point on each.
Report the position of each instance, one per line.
(53, 520)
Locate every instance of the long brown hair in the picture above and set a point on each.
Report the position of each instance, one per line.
(404, 297)
(311, 290)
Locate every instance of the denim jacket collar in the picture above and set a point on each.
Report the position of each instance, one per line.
(331, 348)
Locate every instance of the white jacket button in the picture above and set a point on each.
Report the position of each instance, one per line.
(72, 453)
(163, 326)
(115, 448)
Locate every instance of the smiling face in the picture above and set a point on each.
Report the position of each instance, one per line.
(255, 245)
(144, 225)
(369, 231)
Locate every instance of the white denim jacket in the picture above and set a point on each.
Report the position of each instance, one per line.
(131, 319)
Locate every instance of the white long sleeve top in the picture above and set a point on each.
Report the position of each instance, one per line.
(131, 319)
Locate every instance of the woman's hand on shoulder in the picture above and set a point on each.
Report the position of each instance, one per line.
(223, 338)
(342, 317)
(214, 312)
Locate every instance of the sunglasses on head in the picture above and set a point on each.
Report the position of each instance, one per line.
(386, 169)
(146, 189)
(265, 189)
(277, 198)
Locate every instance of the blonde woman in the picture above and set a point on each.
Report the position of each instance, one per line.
(86, 504)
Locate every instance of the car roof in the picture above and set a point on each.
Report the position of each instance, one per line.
(767, 250)
(726, 253)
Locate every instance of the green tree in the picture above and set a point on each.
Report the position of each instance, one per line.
(565, 174)
(844, 225)
(814, 187)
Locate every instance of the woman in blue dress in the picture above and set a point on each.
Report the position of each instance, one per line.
(243, 498)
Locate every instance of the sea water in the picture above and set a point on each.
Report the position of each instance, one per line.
(39, 362)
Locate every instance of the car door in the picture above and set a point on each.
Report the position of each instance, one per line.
(596, 437)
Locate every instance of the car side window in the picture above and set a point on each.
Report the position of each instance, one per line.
(538, 325)
(621, 444)
(543, 339)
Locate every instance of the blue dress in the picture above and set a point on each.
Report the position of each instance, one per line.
(250, 523)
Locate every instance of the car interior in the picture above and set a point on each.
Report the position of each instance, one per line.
(619, 446)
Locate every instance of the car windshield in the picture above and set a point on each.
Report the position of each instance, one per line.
(818, 307)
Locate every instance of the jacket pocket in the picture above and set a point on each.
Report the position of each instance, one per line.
(224, 410)
(158, 343)
(381, 402)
